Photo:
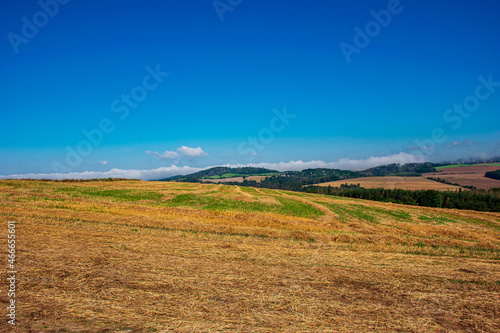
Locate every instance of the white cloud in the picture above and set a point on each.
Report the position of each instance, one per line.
(183, 151)
(102, 162)
(174, 170)
(191, 152)
(344, 163)
(157, 173)
(455, 144)
(423, 147)
(167, 155)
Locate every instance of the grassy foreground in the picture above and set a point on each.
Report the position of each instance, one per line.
(176, 257)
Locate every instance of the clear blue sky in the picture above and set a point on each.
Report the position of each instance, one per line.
(226, 77)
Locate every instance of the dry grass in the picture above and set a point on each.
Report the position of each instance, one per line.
(403, 183)
(173, 257)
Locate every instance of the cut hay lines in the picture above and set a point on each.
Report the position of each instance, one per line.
(327, 215)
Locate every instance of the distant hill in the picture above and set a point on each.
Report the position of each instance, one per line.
(222, 172)
(296, 180)
(403, 170)
(287, 180)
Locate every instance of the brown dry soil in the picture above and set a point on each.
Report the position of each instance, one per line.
(468, 176)
(403, 183)
(133, 256)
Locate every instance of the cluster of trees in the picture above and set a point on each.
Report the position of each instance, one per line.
(305, 180)
(296, 180)
(84, 180)
(493, 174)
(480, 200)
(444, 181)
(217, 171)
(404, 170)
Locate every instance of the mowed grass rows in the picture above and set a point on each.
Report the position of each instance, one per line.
(156, 256)
(269, 213)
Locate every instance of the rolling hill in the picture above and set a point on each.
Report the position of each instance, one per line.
(170, 256)
(223, 172)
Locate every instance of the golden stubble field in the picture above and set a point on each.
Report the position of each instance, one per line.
(133, 256)
(394, 182)
(468, 176)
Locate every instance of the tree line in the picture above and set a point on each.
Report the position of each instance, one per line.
(493, 174)
(480, 200)
(444, 181)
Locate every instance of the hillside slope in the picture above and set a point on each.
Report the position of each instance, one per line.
(218, 172)
(156, 256)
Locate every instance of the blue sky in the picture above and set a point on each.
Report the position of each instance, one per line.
(249, 82)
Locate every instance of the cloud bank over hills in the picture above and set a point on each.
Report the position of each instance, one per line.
(173, 170)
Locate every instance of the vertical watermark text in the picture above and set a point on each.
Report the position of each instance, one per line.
(11, 272)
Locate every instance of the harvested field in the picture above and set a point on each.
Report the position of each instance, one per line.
(403, 183)
(257, 178)
(177, 257)
(234, 179)
(223, 180)
(468, 176)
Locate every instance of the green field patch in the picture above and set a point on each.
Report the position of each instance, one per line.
(268, 191)
(299, 208)
(484, 223)
(362, 215)
(212, 177)
(251, 190)
(444, 219)
(210, 192)
(436, 219)
(116, 195)
(465, 165)
(39, 198)
(190, 200)
(345, 213)
(11, 183)
(289, 207)
(297, 194)
(395, 214)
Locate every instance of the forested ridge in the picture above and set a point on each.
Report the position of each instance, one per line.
(480, 200)
(305, 181)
